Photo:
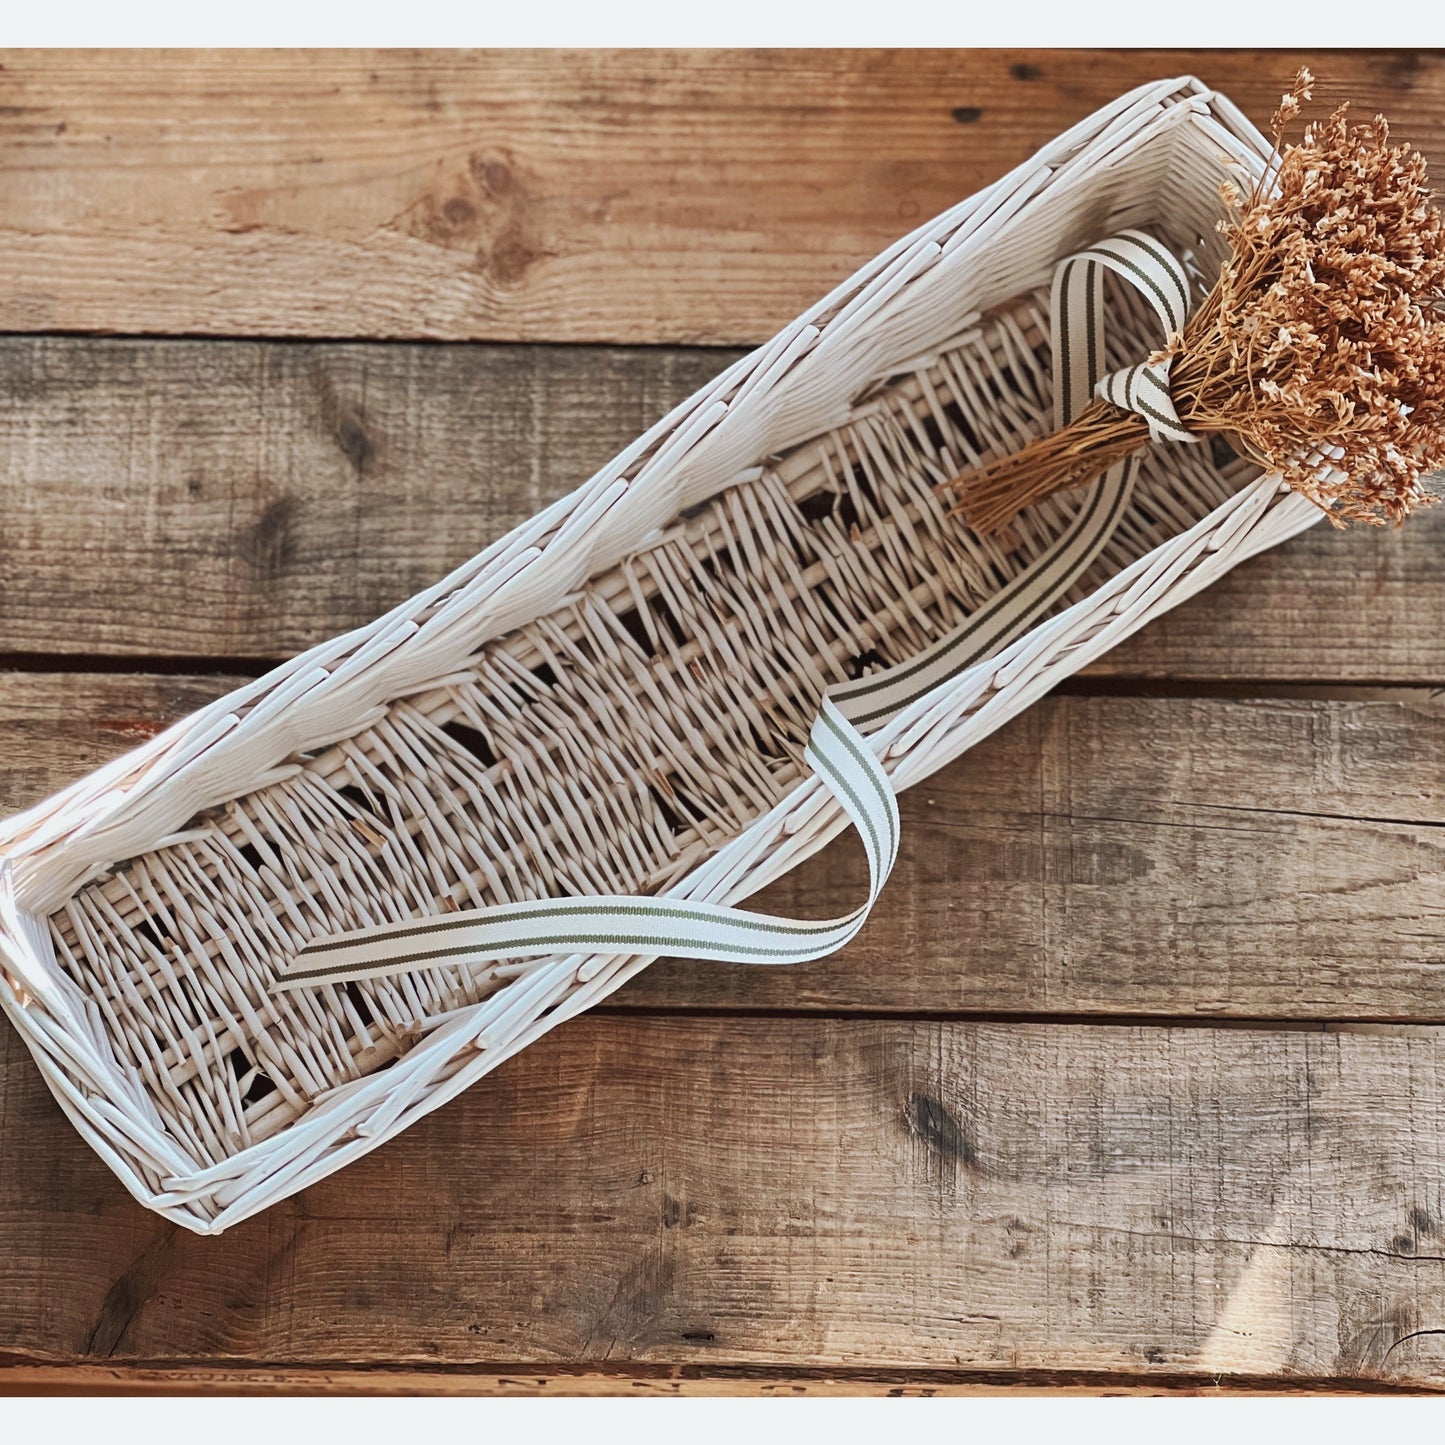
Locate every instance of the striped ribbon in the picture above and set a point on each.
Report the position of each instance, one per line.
(837, 750)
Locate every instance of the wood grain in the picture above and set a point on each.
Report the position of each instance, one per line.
(637, 196)
(247, 500)
(1273, 858)
(806, 1193)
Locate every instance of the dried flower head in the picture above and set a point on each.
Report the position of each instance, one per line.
(1291, 103)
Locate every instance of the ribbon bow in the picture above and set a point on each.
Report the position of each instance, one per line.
(1144, 390)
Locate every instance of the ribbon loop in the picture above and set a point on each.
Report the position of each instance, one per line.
(1148, 266)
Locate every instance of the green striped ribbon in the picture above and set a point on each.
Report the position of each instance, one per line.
(837, 750)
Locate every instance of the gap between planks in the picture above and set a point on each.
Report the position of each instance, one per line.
(231, 672)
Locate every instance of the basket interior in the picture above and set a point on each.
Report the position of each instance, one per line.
(612, 743)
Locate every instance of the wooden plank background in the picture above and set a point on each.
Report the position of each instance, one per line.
(1134, 1081)
(620, 196)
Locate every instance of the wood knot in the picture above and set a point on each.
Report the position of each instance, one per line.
(932, 1122)
(267, 545)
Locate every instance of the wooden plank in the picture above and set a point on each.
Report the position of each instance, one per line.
(247, 500)
(810, 1193)
(20, 1376)
(1246, 858)
(683, 196)
(1161, 856)
(55, 728)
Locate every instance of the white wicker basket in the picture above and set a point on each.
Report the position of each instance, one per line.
(612, 699)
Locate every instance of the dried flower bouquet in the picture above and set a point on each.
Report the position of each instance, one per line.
(1319, 352)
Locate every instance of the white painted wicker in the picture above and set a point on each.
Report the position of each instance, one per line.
(614, 698)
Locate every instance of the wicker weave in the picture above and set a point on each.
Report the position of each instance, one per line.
(614, 698)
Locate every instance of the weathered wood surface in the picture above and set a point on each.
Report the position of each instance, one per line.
(1246, 858)
(809, 1193)
(833, 1179)
(698, 196)
(247, 500)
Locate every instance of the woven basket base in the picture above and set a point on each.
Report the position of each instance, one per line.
(606, 747)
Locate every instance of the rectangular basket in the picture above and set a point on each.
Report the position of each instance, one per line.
(614, 698)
